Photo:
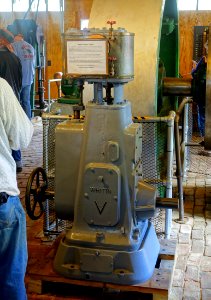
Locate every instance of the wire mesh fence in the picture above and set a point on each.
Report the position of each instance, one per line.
(157, 161)
(190, 137)
(51, 224)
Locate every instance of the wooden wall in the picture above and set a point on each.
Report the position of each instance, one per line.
(51, 28)
(187, 21)
(75, 10)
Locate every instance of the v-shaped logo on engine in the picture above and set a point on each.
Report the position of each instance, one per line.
(100, 207)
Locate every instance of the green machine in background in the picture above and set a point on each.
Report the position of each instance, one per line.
(168, 57)
(70, 90)
(70, 97)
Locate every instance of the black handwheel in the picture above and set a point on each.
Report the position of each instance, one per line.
(35, 193)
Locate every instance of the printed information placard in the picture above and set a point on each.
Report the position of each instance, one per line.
(87, 57)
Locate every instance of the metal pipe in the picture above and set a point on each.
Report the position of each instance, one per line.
(118, 93)
(154, 119)
(95, 93)
(100, 93)
(185, 129)
(45, 166)
(177, 86)
(45, 122)
(170, 150)
(179, 174)
(41, 87)
(61, 6)
(49, 91)
(26, 13)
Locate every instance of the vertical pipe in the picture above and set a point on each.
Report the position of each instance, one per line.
(98, 92)
(179, 173)
(62, 16)
(45, 122)
(179, 169)
(49, 94)
(49, 90)
(170, 149)
(95, 92)
(185, 138)
(118, 93)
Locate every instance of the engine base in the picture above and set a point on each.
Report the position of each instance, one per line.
(109, 265)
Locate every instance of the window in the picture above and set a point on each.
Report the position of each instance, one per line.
(20, 5)
(204, 5)
(194, 4)
(84, 23)
(53, 5)
(42, 5)
(23, 5)
(187, 4)
(6, 6)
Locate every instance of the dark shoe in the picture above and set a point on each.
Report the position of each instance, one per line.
(19, 166)
(19, 169)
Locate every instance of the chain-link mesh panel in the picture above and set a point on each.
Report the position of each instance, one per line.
(196, 136)
(190, 121)
(196, 139)
(51, 225)
(190, 124)
(155, 164)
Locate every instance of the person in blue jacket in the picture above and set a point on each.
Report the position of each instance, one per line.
(26, 53)
(199, 76)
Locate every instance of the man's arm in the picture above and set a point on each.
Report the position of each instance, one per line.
(18, 127)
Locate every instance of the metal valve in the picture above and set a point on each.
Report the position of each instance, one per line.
(111, 23)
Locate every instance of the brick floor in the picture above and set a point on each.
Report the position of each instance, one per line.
(192, 274)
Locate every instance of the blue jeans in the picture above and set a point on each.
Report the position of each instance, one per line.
(25, 100)
(201, 119)
(13, 250)
(16, 154)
